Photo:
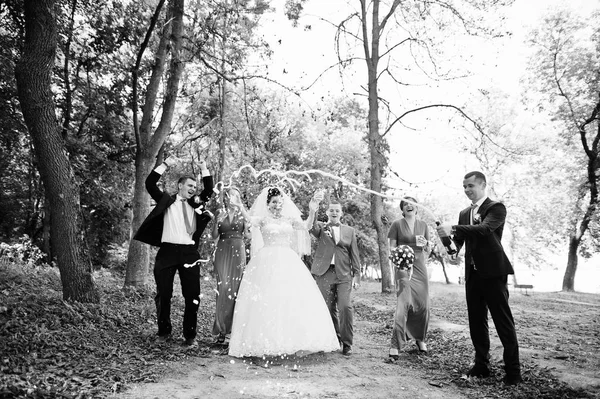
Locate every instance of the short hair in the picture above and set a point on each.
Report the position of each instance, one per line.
(272, 192)
(410, 200)
(478, 175)
(183, 179)
(335, 202)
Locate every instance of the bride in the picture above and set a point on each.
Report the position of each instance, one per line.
(279, 309)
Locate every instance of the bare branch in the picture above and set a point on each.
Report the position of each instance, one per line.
(408, 39)
(389, 15)
(339, 63)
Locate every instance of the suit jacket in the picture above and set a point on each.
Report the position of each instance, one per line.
(347, 261)
(151, 229)
(483, 241)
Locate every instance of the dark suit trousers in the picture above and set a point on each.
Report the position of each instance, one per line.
(337, 294)
(169, 260)
(492, 294)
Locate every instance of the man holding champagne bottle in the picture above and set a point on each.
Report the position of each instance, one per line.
(480, 229)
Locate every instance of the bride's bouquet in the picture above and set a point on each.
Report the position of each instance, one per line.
(403, 257)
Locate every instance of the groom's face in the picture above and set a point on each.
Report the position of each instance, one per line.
(334, 213)
(474, 188)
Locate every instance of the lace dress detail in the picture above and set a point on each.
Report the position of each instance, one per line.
(280, 309)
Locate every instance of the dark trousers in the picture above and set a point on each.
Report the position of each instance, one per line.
(169, 260)
(337, 294)
(492, 294)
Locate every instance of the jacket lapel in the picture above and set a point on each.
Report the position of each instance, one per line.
(484, 207)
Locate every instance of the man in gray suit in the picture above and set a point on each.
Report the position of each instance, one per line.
(336, 268)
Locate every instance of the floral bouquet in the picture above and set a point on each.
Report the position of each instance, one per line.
(403, 257)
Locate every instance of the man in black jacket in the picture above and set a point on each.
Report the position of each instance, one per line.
(175, 226)
(487, 267)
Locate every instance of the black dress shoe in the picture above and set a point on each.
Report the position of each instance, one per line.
(422, 347)
(512, 379)
(190, 342)
(479, 371)
(347, 351)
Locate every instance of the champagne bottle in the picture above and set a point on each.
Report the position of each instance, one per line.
(448, 243)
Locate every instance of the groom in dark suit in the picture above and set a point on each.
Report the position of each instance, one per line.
(175, 226)
(480, 228)
(336, 268)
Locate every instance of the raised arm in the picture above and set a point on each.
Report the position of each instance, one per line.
(154, 176)
(207, 182)
(313, 207)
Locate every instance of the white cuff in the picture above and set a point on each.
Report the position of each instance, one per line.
(160, 169)
(205, 172)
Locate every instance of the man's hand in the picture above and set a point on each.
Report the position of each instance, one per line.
(170, 161)
(355, 281)
(444, 230)
(204, 169)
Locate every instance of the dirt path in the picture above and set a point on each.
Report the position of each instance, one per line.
(367, 374)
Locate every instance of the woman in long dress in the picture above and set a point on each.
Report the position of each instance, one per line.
(279, 309)
(411, 318)
(230, 259)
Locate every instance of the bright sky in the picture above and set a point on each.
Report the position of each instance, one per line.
(427, 152)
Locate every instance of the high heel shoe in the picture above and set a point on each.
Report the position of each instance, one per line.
(422, 346)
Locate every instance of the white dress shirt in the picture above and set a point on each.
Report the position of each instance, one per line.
(336, 236)
(475, 209)
(174, 230)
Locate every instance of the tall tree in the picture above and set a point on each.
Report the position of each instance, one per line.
(407, 37)
(150, 139)
(377, 37)
(34, 80)
(565, 63)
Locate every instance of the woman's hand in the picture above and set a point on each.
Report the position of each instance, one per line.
(421, 241)
(235, 201)
(221, 215)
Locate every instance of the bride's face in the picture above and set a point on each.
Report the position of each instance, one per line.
(275, 204)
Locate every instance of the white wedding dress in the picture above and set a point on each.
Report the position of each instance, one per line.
(279, 308)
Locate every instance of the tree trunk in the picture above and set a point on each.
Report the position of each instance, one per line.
(34, 79)
(148, 143)
(593, 165)
(376, 149)
(138, 255)
(569, 278)
(436, 255)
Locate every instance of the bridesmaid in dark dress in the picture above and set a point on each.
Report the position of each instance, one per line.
(411, 318)
(230, 259)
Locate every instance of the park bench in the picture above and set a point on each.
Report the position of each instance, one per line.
(525, 287)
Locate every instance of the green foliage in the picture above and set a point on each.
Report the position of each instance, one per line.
(21, 252)
(563, 71)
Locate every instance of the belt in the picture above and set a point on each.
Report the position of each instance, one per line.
(170, 244)
(226, 236)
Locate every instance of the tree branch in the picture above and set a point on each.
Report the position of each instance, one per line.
(136, 69)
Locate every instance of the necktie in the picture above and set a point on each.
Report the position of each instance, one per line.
(188, 225)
